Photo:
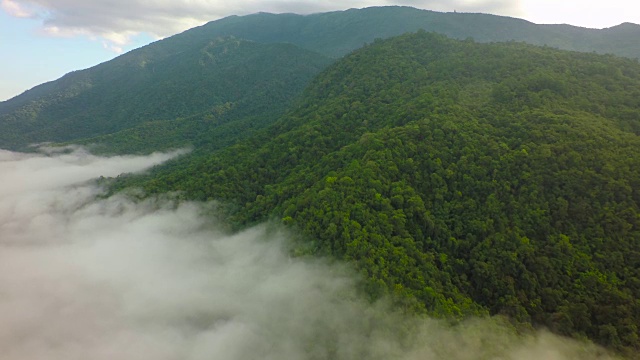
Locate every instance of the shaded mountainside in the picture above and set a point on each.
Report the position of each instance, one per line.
(462, 178)
(191, 75)
(218, 81)
(338, 33)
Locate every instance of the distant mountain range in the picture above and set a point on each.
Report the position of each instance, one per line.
(338, 33)
(463, 178)
(174, 78)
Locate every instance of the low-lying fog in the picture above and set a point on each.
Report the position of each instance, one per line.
(83, 278)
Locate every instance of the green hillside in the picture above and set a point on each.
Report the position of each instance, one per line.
(141, 99)
(463, 178)
(338, 33)
(212, 83)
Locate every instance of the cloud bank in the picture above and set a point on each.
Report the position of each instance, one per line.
(88, 278)
(117, 21)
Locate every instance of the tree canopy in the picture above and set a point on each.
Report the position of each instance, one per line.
(461, 178)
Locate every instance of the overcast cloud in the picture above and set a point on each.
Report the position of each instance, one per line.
(116, 21)
(83, 278)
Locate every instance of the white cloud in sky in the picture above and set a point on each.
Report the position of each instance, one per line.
(15, 9)
(117, 21)
(86, 278)
(586, 13)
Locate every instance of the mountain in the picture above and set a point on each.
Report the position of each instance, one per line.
(241, 66)
(152, 91)
(461, 178)
(338, 33)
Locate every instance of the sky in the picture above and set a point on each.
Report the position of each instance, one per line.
(41, 40)
(83, 277)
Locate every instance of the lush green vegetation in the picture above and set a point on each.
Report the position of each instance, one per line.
(179, 97)
(338, 33)
(189, 75)
(462, 178)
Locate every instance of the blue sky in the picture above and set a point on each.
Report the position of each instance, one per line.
(41, 40)
(30, 57)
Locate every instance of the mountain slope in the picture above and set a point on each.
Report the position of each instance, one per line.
(191, 73)
(221, 80)
(460, 177)
(338, 33)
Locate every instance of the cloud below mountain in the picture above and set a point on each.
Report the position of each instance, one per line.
(117, 278)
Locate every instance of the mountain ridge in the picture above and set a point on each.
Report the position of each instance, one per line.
(178, 83)
(66, 110)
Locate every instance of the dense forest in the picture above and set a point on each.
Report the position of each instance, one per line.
(458, 175)
(461, 178)
(158, 101)
(243, 71)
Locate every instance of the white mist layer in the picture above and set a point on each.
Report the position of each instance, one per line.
(82, 278)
